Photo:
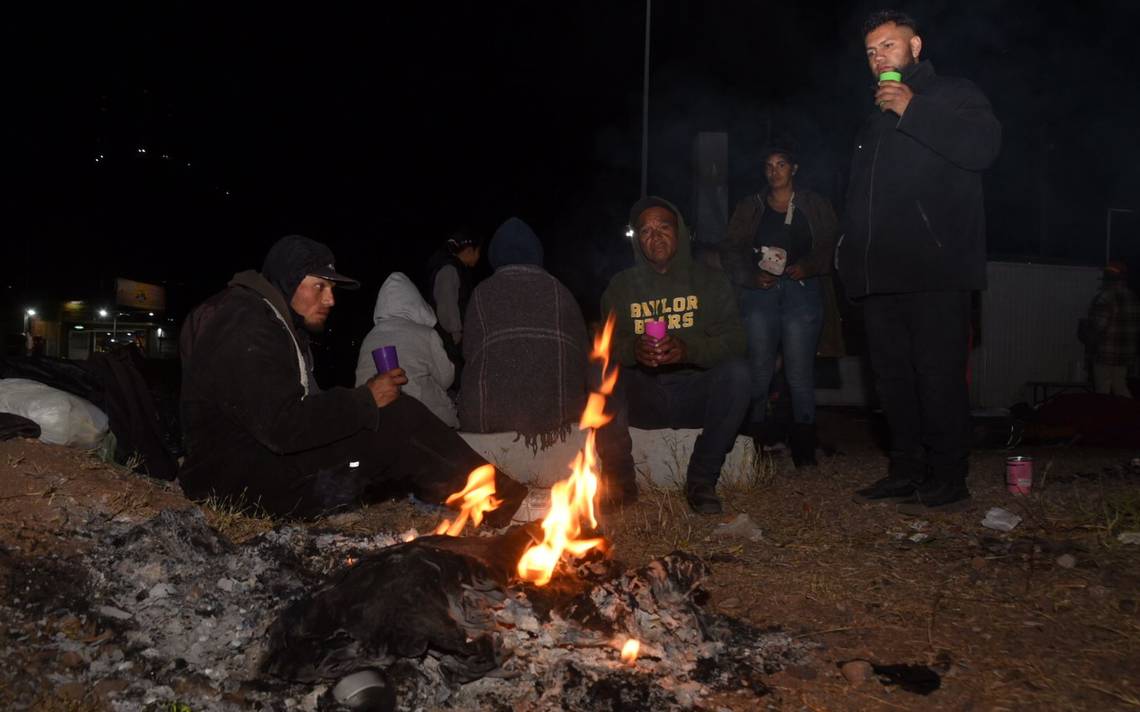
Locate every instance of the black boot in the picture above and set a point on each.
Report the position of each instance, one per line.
(802, 442)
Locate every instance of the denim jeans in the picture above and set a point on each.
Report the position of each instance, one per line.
(786, 318)
(918, 346)
(715, 400)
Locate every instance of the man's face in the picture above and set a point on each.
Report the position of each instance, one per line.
(778, 170)
(313, 300)
(469, 255)
(657, 235)
(890, 46)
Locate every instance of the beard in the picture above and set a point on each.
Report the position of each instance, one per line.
(315, 325)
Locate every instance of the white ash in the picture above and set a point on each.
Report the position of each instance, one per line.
(188, 612)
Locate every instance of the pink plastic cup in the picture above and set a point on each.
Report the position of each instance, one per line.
(385, 359)
(655, 329)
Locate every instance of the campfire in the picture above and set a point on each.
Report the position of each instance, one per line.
(539, 616)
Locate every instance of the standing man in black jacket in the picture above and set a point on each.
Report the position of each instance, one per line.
(260, 432)
(913, 249)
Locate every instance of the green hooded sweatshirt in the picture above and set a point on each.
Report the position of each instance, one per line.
(697, 303)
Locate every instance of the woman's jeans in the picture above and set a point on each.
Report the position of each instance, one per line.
(787, 317)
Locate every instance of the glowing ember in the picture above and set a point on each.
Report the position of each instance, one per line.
(629, 651)
(572, 500)
(478, 498)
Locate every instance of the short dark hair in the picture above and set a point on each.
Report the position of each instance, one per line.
(882, 17)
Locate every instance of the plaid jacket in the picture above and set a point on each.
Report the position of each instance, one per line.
(1115, 320)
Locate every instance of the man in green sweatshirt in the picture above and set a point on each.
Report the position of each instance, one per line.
(693, 375)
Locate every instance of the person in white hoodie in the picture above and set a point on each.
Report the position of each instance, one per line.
(403, 319)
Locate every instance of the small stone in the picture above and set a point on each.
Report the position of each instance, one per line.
(72, 659)
(112, 612)
(1066, 561)
(226, 584)
(730, 604)
(857, 671)
(1126, 605)
(112, 653)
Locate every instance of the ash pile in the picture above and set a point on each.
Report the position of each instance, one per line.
(178, 614)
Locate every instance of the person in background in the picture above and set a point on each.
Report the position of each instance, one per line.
(403, 319)
(1114, 323)
(913, 249)
(783, 298)
(450, 281)
(694, 376)
(261, 434)
(525, 346)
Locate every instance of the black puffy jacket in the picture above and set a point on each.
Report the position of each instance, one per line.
(247, 395)
(915, 219)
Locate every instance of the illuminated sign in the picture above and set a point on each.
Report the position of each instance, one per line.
(139, 295)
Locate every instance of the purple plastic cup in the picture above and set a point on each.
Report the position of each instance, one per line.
(655, 329)
(385, 359)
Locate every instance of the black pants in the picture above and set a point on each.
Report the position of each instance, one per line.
(715, 400)
(413, 450)
(918, 345)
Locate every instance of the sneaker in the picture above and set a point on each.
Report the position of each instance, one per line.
(702, 498)
(937, 497)
(886, 490)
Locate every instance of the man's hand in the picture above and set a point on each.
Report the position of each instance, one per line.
(385, 387)
(796, 272)
(653, 353)
(764, 280)
(893, 96)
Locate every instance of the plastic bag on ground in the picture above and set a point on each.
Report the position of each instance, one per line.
(64, 419)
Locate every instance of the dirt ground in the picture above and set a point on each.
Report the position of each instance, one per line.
(1041, 618)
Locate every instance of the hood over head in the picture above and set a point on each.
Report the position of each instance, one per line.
(684, 256)
(399, 299)
(515, 243)
(294, 256)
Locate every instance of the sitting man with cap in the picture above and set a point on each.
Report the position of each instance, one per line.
(261, 434)
(694, 375)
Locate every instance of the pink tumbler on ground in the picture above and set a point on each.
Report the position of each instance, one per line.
(385, 359)
(655, 329)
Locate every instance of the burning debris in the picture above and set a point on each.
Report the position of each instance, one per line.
(537, 617)
(172, 612)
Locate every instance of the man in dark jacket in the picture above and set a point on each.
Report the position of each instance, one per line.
(913, 249)
(693, 376)
(261, 433)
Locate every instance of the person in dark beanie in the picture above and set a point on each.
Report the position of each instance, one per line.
(912, 251)
(449, 289)
(693, 375)
(525, 346)
(261, 434)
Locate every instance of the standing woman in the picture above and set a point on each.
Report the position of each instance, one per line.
(780, 242)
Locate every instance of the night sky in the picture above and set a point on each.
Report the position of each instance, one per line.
(167, 142)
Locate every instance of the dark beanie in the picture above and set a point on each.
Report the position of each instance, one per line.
(514, 243)
(294, 256)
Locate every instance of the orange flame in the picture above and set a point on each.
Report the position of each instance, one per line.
(478, 499)
(630, 650)
(572, 499)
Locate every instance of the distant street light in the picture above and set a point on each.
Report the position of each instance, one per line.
(29, 342)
